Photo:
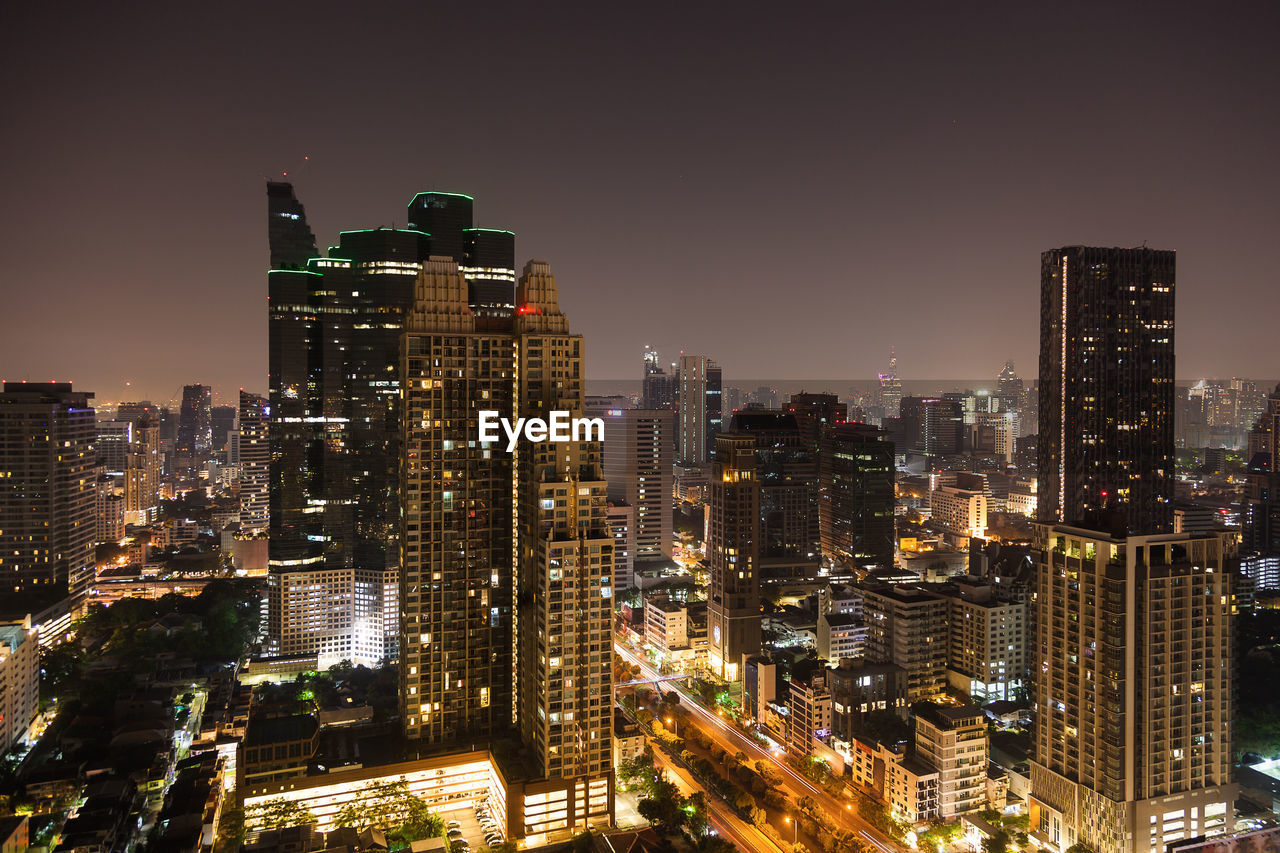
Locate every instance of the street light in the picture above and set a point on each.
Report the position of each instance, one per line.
(795, 829)
(672, 724)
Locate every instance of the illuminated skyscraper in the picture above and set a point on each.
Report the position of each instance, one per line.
(480, 522)
(1106, 388)
(47, 491)
(733, 550)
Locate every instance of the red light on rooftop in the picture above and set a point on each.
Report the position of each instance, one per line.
(528, 309)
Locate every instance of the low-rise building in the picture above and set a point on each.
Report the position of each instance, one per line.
(858, 688)
(666, 624)
(960, 511)
(628, 740)
(810, 713)
(841, 636)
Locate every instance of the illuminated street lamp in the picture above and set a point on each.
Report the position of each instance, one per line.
(795, 829)
(671, 723)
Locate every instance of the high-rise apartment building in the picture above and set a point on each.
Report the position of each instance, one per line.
(733, 550)
(638, 468)
(701, 412)
(1133, 689)
(908, 627)
(856, 496)
(47, 491)
(507, 574)
(254, 463)
(987, 640)
(1106, 388)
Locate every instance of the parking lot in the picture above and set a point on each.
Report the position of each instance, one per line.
(469, 826)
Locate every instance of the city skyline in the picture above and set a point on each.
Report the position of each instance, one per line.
(944, 131)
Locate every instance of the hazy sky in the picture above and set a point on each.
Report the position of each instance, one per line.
(789, 188)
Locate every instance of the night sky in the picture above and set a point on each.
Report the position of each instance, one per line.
(789, 188)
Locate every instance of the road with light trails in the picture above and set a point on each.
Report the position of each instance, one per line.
(730, 737)
(733, 829)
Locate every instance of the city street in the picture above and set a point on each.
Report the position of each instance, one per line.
(733, 829)
(796, 785)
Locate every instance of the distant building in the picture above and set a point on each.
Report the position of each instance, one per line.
(960, 511)
(814, 413)
(701, 409)
(195, 430)
(638, 468)
(254, 463)
(658, 387)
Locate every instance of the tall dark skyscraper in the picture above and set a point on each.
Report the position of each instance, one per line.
(856, 471)
(292, 243)
(1106, 388)
(47, 517)
(787, 474)
(195, 429)
(335, 399)
(816, 412)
